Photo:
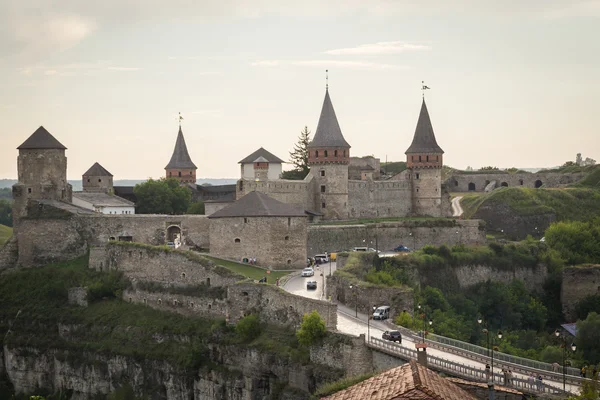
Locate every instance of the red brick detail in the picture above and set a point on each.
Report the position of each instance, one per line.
(187, 175)
(335, 155)
(261, 165)
(425, 160)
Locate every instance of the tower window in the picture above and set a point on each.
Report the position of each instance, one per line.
(99, 180)
(322, 173)
(245, 220)
(237, 240)
(344, 153)
(322, 205)
(316, 153)
(28, 190)
(170, 173)
(417, 190)
(289, 222)
(325, 153)
(322, 188)
(419, 158)
(427, 158)
(190, 173)
(180, 173)
(88, 180)
(287, 238)
(335, 153)
(417, 175)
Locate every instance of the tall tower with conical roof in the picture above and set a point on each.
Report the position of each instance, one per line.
(424, 161)
(42, 172)
(328, 157)
(181, 166)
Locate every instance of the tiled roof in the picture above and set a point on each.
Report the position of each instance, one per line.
(41, 139)
(97, 170)
(328, 133)
(483, 385)
(424, 139)
(261, 153)
(102, 199)
(257, 204)
(410, 381)
(180, 158)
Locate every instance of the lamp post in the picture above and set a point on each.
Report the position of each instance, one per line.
(485, 330)
(564, 347)
(491, 384)
(355, 300)
(369, 324)
(424, 318)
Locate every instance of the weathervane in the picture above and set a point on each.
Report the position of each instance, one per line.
(180, 118)
(326, 79)
(424, 88)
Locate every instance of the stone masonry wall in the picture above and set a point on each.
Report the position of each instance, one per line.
(295, 193)
(377, 199)
(469, 275)
(578, 282)
(276, 305)
(168, 267)
(366, 297)
(460, 183)
(343, 350)
(388, 235)
(274, 241)
(426, 191)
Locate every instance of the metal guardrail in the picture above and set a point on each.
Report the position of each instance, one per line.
(461, 370)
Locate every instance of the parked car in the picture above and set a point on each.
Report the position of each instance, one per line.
(263, 280)
(311, 285)
(402, 249)
(382, 313)
(308, 272)
(393, 336)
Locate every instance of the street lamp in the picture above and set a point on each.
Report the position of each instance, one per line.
(424, 315)
(564, 347)
(355, 300)
(485, 330)
(368, 323)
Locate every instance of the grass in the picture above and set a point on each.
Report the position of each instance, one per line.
(575, 203)
(5, 234)
(393, 168)
(250, 271)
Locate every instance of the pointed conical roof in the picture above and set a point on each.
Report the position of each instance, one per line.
(41, 139)
(328, 133)
(97, 170)
(258, 204)
(180, 158)
(424, 139)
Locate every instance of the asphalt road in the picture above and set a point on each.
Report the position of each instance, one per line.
(456, 208)
(297, 284)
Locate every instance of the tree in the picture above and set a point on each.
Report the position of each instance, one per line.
(5, 212)
(312, 329)
(587, 338)
(586, 305)
(299, 157)
(489, 168)
(197, 207)
(162, 196)
(248, 328)
(577, 242)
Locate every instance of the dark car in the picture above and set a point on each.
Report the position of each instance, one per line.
(402, 249)
(393, 336)
(311, 285)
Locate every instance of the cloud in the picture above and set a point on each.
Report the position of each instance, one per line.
(266, 63)
(50, 72)
(379, 48)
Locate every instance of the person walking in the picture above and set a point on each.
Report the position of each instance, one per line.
(539, 383)
(505, 374)
(277, 282)
(531, 380)
(487, 373)
(510, 376)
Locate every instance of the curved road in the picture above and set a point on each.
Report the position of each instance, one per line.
(456, 208)
(353, 323)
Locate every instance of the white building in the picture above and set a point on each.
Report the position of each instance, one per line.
(261, 165)
(103, 203)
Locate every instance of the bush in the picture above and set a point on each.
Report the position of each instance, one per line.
(312, 329)
(404, 319)
(587, 305)
(248, 328)
(551, 354)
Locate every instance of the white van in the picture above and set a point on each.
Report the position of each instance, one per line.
(382, 312)
(321, 258)
(359, 249)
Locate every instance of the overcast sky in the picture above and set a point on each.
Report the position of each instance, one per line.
(513, 83)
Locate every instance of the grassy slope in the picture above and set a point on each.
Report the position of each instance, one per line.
(250, 271)
(576, 203)
(5, 234)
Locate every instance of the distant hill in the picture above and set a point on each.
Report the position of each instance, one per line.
(5, 234)
(7, 183)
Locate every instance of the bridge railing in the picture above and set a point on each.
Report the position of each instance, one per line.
(461, 370)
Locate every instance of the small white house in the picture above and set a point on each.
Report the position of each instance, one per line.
(261, 165)
(103, 203)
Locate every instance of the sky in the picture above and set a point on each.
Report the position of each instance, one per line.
(512, 83)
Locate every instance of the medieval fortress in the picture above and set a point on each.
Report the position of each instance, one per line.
(262, 216)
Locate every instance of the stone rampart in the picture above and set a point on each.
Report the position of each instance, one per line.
(469, 275)
(190, 306)
(295, 193)
(348, 352)
(373, 199)
(161, 265)
(478, 182)
(276, 306)
(578, 282)
(388, 235)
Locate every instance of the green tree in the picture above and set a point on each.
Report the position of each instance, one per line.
(5, 212)
(248, 328)
(405, 319)
(587, 305)
(196, 207)
(299, 157)
(162, 196)
(551, 354)
(312, 329)
(489, 168)
(587, 338)
(576, 242)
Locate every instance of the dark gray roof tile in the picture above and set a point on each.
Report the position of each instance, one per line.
(328, 133)
(97, 170)
(41, 139)
(258, 204)
(424, 139)
(180, 158)
(261, 153)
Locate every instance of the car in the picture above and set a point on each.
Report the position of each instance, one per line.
(321, 258)
(392, 336)
(308, 272)
(311, 285)
(171, 245)
(402, 249)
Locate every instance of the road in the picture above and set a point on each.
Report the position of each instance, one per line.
(456, 208)
(353, 323)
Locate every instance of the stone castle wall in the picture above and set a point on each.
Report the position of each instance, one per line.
(331, 190)
(295, 193)
(388, 235)
(343, 350)
(426, 191)
(168, 267)
(378, 199)
(578, 283)
(273, 241)
(190, 306)
(460, 182)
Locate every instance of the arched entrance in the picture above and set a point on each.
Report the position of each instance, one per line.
(504, 184)
(173, 233)
(538, 184)
(471, 187)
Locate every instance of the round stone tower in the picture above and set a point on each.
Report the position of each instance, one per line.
(42, 172)
(328, 157)
(424, 159)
